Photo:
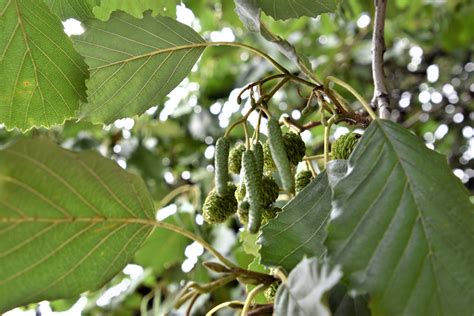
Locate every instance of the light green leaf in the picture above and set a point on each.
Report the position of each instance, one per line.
(403, 227)
(68, 222)
(303, 294)
(135, 7)
(164, 248)
(300, 229)
(249, 242)
(134, 63)
(287, 9)
(42, 75)
(77, 9)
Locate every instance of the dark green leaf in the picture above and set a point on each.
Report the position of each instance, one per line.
(287, 9)
(300, 229)
(303, 294)
(68, 222)
(42, 75)
(403, 227)
(134, 63)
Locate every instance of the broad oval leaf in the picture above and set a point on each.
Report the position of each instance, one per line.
(287, 9)
(403, 227)
(42, 75)
(68, 222)
(300, 229)
(77, 9)
(134, 63)
(303, 294)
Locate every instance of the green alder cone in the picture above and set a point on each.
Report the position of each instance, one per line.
(279, 155)
(217, 209)
(267, 213)
(295, 149)
(221, 162)
(270, 292)
(344, 145)
(302, 179)
(270, 191)
(253, 185)
(235, 158)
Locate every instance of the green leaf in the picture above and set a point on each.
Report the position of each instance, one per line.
(135, 7)
(68, 222)
(287, 9)
(304, 292)
(343, 303)
(249, 242)
(164, 248)
(77, 9)
(42, 75)
(134, 63)
(300, 229)
(256, 266)
(403, 226)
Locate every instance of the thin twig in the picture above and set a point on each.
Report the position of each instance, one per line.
(380, 99)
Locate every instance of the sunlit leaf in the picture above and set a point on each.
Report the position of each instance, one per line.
(164, 248)
(134, 63)
(287, 9)
(68, 222)
(42, 76)
(403, 227)
(77, 9)
(135, 7)
(304, 292)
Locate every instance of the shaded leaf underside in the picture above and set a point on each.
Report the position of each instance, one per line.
(287, 9)
(68, 222)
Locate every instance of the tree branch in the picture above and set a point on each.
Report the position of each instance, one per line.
(380, 99)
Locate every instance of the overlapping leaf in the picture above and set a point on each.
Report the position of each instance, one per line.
(134, 63)
(287, 9)
(68, 222)
(77, 9)
(42, 75)
(403, 227)
(300, 229)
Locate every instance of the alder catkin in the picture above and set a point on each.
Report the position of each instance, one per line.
(277, 149)
(253, 186)
(221, 162)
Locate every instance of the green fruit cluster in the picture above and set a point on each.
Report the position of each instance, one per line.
(235, 158)
(295, 149)
(267, 214)
(217, 209)
(344, 145)
(302, 179)
(270, 292)
(270, 191)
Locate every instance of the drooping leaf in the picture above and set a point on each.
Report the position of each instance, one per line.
(135, 7)
(287, 9)
(164, 248)
(134, 63)
(68, 222)
(249, 13)
(300, 229)
(77, 9)
(42, 75)
(303, 294)
(403, 227)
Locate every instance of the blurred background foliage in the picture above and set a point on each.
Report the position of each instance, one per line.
(429, 68)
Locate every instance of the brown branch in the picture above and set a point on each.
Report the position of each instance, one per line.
(380, 99)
